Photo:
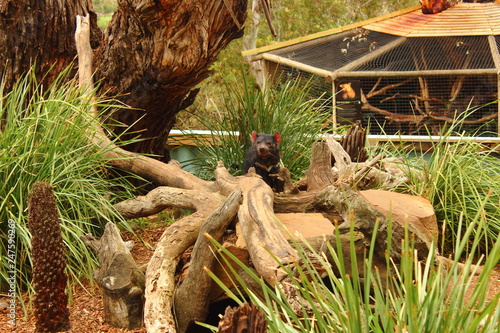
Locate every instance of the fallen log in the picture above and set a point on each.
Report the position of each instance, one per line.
(191, 298)
(266, 243)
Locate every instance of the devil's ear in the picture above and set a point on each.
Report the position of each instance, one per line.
(277, 137)
(253, 136)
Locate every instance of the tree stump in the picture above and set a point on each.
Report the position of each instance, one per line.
(120, 279)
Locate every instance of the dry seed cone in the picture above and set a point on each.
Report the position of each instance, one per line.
(49, 263)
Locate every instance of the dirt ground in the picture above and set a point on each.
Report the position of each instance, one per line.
(86, 306)
(86, 314)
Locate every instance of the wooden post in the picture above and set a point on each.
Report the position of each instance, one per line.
(496, 59)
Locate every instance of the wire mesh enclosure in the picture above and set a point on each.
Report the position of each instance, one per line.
(404, 73)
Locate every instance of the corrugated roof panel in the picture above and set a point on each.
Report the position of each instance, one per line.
(463, 19)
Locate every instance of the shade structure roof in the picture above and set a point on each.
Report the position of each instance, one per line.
(463, 19)
(464, 38)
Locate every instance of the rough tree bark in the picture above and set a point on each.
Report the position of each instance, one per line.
(41, 32)
(152, 54)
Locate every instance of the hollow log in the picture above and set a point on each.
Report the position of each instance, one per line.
(119, 277)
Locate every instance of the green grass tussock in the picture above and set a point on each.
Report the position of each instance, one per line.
(287, 110)
(462, 181)
(414, 295)
(46, 136)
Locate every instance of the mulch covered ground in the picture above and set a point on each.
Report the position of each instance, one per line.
(86, 314)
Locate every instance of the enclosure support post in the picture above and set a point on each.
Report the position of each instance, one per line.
(498, 106)
(496, 60)
(265, 73)
(334, 107)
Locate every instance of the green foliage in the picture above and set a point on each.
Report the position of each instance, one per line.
(457, 178)
(413, 297)
(46, 136)
(103, 20)
(105, 6)
(299, 18)
(104, 10)
(286, 110)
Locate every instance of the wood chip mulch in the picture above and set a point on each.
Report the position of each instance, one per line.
(86, 306)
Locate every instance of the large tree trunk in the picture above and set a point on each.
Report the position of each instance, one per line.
(152, 56)
(40, 32)
(157, 52)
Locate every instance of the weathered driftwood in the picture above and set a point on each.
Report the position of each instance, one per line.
(160, 273)
(265, 241)
(191, 298)
(164, 197)
(366, 167)
(342, 160)
(119, 277)
(320, 173)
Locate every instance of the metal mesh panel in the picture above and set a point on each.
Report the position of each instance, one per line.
(395, 105)
(497, 39)
(319, 87)
(333, 52)
(416, 105)
(435, 53)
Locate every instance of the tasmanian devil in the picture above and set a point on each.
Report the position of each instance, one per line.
(264, 156)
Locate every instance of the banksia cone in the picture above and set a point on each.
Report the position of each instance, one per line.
(49, 278)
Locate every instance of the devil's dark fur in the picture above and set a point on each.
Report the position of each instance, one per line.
(264, 156)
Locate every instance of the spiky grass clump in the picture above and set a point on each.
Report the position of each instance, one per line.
(45, 136)
(414, 296)
(456, 177)
(49, 260)
(287, 110)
